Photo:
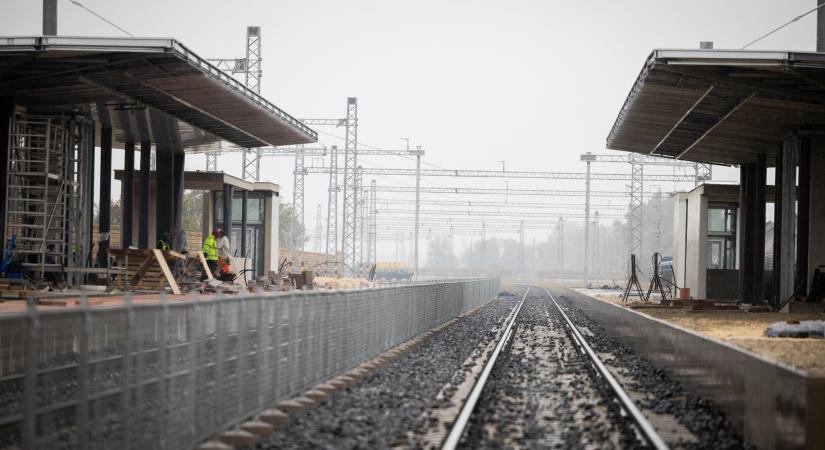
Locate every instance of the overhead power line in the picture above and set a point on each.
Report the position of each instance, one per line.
(80, 5)
(795, 19)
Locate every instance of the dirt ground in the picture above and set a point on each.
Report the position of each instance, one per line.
(743, 329)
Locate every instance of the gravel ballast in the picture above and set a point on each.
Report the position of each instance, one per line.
(379, 411)
(541, 393)
(660, 398)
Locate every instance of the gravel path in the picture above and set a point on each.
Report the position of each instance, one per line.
(379, 411)
(661, 399)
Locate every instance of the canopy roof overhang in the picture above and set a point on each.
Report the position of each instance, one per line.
(212, 181)
(145, 89)
(721, 106)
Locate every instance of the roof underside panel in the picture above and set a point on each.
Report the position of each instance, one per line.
(720, 106)
(148, 89)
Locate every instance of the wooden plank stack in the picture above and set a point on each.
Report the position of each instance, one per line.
(147, 269)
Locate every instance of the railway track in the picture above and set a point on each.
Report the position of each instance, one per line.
(572, 389)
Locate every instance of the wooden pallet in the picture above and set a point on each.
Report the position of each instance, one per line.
(147, 269)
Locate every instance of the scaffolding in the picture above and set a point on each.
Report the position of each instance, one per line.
(47, 208)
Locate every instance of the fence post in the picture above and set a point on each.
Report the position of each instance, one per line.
(243, 354)
(126, 378)
(31, 346)
(83, 376)
(262, 373)
(163, 399)
(220, 382)
(193, 331)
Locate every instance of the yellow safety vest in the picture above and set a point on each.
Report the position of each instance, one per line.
(210, 247)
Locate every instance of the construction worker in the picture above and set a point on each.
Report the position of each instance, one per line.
(210, 252)
(163, 243)
(178, 243)
(224, 248)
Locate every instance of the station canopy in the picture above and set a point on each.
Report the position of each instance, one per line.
(720, 106)
(144, 89)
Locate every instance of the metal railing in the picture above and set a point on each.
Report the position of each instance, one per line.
(171, 374)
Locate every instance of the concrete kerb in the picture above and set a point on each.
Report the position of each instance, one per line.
(772, 404)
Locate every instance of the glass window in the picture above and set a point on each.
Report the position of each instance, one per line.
(721, 235)
(721, 218)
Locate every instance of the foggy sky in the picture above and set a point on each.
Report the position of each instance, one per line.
(533, 83)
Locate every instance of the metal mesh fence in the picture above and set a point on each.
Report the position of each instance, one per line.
(171, 374)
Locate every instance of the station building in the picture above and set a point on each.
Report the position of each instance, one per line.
(752, 109)
(66, 102)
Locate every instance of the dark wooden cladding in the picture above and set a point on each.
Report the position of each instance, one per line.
(720, 110)
(159, 81)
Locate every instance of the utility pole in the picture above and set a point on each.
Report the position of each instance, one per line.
(560, 247)
(452, 236)
(483, 243)
(418, 153)
(319, 229)
(588, 158)
(595, 266)
(332, 210)
(521, 246)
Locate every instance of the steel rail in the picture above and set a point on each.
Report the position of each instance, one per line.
(647, 430)
(451, 442)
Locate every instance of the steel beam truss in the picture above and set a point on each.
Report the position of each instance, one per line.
(493, 191)
(332, 212)
(250, 68)
(512, 174)
(373, 230)
(350, 213)
(483, 203)
(298, 205)
(636, 191)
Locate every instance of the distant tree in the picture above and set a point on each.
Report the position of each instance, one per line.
(114, 214)
(285, 228)
(192, 214)
(440, 256)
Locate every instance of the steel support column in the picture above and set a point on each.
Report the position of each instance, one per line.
(143, 207)
(226, 223)
(105, 197)
(778, 219)
(6, 114)
(758, 198)
(747, 235)
(803, 218)
(786, 216)
(179, 159)
(244, 203)
(127, 203)
(164, 191)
